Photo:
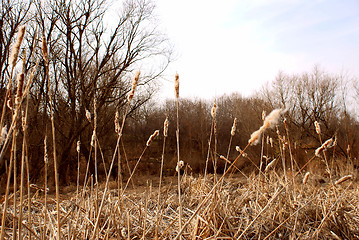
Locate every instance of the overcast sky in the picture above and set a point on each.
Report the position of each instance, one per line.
(236, 46)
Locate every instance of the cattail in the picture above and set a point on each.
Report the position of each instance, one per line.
(224, 158)
(270, 121)
(238, 149)
(93, 138)
(177, 85)
(343, 179)
(20, 84)
(263, 115)
(16, 48)
(165, 127)
(117, 123)
(78, 146)
(134, 84)
(45, 54)
(233, 131)
(179, 166)
(88, 115)
(317, 127)
(270, 165)
(306, 176)
(23, 121)
(327, 144)
(152, 137)
(271, 142)
(348, 149)
(3, 135)
(214, 110)
(9, 102)
(46, 156)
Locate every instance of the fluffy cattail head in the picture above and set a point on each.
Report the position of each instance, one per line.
(134, 84)
(269, 122)
(16, 48)
(152, 137)
(179, 166)
(317, 127)
(177, 85)
(327, 144)
(233, 131)
(165, 127)
(45, 53)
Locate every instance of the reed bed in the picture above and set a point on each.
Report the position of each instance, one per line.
(262, 204)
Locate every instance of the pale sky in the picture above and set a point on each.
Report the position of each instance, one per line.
(236, 46)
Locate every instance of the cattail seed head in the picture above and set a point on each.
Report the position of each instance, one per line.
(177, 85)
(134, 85)
(317, 127)
(93, 138)
(263, 115)
(78, 146)
(233, 130)
(20, 85)
(3, 135)
(270, 165)
(214, 110)
(327, 144)
(238, 149)
(9, 102)
(271, 142)
(165, 127)
(117, 123)
(269, 122)
(45, 54)
(88, 115)
(224, 158)
(46, 156)
(152, 137)
(179, 166)
(16, 48)
(343, 179)
(306, 176)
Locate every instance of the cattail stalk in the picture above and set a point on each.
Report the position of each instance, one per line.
(165, 132)
(178, 151)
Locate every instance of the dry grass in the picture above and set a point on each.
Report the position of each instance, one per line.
(269, 204)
